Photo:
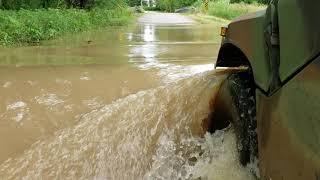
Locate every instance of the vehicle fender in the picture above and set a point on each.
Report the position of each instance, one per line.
(245, 44)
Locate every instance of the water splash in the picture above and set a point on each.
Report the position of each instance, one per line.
(212, 157)
(153, 134)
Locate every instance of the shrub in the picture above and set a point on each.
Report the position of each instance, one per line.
(228, 10)
(251, 1)
(133, 2)
(29, 26)
(36, 4)
(172, 5)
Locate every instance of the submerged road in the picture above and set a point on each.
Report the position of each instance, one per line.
(165, 19)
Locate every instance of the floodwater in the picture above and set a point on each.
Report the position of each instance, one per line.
(122, 103)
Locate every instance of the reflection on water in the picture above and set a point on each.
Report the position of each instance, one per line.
(163, 47)
(149, 33)
(118, 104)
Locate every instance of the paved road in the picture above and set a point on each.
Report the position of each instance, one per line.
(165, 19)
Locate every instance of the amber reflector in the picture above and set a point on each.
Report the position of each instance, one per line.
(224, 31)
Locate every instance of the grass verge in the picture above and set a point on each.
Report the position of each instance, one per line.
(224, 9)
(32, 26)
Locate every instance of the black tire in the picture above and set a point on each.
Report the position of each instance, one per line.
(236, 104)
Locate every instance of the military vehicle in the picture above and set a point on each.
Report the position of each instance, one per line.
(274, 106)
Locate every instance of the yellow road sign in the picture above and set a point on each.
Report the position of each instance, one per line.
(206, 5)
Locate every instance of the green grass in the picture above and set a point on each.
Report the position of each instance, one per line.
(172, 5)
(32, 26)
(226, 10)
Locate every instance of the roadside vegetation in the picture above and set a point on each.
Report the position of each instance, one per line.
(31, 21)
(172, 5)
(227, 9)
(230, 10)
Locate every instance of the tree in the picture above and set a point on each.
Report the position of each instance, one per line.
(134, 2)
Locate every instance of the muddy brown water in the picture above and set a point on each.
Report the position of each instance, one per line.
(121, 103)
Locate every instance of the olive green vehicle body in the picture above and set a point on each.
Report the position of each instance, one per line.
(282, 47)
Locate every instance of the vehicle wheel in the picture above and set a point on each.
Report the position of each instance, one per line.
(235, 103)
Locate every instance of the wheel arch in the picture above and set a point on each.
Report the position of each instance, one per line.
(231, 56)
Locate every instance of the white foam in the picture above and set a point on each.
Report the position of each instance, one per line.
(17, 111)
(93, 103)
(85, 78)
(49, 99)
(212, 157)
(7, 84)
(16, 105)
(19, 117)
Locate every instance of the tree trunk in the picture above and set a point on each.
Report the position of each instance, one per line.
(45, 3)
(82, 4)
